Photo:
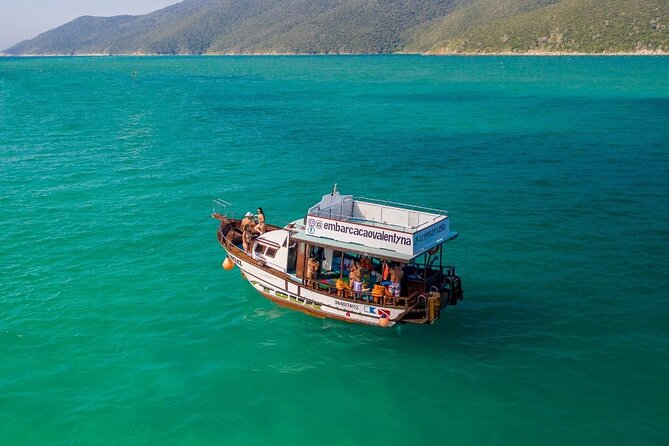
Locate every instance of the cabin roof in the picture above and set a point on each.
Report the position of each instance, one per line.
(277, 236)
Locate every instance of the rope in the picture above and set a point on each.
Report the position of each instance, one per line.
(179, 233)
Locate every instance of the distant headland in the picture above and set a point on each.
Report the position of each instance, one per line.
(429, 27)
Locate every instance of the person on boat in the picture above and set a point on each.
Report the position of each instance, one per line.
(375, 277)
(386, 271)
(247, 239)
(313, 268)
(356, 281)
(352, 270)
(260, 227)
(362, 267)
(396, 275)
(385, 274)
(247, 220)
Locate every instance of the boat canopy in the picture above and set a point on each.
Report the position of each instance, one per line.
(376, 228)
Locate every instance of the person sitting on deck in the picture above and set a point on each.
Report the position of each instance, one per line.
(260, 227)
(247, 221)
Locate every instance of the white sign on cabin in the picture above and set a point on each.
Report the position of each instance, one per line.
(376, 237)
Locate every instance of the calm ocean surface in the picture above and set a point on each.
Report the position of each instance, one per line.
(119, 326)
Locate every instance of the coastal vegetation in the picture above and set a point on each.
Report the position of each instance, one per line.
(367, 26)
(567, 26)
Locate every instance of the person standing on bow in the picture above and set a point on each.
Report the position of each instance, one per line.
(247, 221)
(247, 239)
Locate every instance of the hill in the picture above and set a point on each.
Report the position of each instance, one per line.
(366, 26)
(246, 26)
(572, 26)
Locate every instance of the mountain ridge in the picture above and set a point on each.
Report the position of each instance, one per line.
(366, 26)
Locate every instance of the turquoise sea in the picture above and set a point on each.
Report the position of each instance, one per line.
(119, 326)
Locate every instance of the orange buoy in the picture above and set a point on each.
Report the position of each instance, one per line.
(228, 264)
(383, 321)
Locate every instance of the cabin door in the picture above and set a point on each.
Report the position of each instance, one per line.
(291, 264)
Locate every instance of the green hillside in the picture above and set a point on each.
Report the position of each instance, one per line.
(246, 26)
(367, 26)
(580, 26)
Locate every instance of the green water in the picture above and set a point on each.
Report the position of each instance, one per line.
(118, 325)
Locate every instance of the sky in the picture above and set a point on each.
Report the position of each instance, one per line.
(25, 19)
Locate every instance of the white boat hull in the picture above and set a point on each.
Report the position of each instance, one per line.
(287, 292)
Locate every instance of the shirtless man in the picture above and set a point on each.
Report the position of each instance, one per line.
(396, 275)
(247, 220)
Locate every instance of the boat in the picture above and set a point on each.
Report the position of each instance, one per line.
(396, 253)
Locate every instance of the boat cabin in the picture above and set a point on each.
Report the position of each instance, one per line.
(274, 250)
(342, 233)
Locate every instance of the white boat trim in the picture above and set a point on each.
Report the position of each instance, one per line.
(313, 301)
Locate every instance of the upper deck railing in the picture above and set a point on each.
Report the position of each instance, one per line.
(381, 213)
(402, 205)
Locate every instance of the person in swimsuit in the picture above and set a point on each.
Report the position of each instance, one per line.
(247, 239)
(313, 267)
(260, 227)
(356, 280)
(396, 275)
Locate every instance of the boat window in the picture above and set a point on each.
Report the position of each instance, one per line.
(259, 248)
(271, 252)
